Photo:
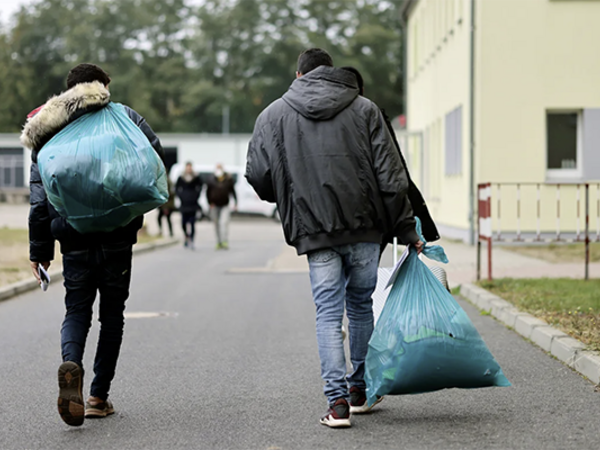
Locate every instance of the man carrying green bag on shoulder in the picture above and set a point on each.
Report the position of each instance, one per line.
(91, 153)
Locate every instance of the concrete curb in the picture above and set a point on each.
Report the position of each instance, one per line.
(20, 287)
(562, 346)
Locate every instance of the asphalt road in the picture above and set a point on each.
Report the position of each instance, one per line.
(234, 366)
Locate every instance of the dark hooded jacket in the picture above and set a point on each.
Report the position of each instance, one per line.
(45, 224)
(188, 190)
(325, 156)
(220, 189)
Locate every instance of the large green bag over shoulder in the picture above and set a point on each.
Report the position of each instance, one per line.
(100, 172)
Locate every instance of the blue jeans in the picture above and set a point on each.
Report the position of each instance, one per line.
(105, 268)
(341, 276)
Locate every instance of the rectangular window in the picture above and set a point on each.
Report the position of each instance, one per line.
(412, 49)
(443, 6)
(11, 168)
(591, 144)
(453, 147)
(563, 144)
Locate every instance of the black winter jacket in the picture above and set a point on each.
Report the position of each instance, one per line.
(188, 192)
(325, 156)
(219, 190)
(45, 224)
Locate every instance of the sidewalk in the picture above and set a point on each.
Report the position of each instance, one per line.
(14, 216)
(505, 264)
(463, 264)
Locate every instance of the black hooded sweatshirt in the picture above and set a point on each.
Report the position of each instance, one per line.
(325, 156)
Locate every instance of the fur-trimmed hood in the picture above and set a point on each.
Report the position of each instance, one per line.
(61, 110)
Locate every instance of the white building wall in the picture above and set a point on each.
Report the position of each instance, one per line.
(201, 149)
(209, 149)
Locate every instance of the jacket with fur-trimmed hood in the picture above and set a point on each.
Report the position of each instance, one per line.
(45, 224)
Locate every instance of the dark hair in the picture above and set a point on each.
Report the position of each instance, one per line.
(86, 73)
(312, 58)
(359, 78)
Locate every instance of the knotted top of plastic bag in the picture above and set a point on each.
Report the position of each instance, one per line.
(433, 252)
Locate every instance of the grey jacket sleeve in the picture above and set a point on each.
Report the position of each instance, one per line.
(41, 240)
(392, 179)
(147, 130)
(258, 168)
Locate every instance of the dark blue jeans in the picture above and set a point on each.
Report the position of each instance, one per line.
(104, 268)
(189, 218)
(343, 276)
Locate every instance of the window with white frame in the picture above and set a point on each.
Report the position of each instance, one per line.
(563, 144)
(11, 168)
(453, 147)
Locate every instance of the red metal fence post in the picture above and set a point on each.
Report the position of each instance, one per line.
(558, 212)
(587, 231)
(538, 234)
(518, 212)
(484, 224)
(598, 212)
(478, 236)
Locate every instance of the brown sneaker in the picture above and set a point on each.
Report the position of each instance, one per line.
(358, 401)
(98, 410)
(338, 415)
(70, 396)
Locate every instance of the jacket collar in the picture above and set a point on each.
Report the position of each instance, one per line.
(60, 110)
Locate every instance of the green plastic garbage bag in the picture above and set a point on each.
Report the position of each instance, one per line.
(424, 341)
(100, 172)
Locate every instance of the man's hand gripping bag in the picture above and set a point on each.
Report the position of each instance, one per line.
(424, 341)
(100, 172)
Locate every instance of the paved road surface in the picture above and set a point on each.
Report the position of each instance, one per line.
(236, 367)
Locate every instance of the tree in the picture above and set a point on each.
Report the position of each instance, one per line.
(180, 64)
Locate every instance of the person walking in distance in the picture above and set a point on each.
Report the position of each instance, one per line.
(188, 188)
(325, 156)
(219, 190)
(92, 263)
(167, 209)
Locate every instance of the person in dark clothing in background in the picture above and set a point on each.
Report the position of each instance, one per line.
(219, 189)
(188, 188)
(96, 262)
(167, 209)
(420, 210)
(325, 156)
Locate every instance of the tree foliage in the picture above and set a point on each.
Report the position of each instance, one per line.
(180, 62)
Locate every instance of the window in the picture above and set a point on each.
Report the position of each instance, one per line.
(591, 144)
(443, 24)
(453, 152)
(415, 48)
(563, 144)
(11, 168)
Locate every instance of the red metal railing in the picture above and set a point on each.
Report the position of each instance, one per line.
(488, 193)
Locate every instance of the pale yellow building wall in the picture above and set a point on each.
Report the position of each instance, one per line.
(438, 82)
(534, 55)
(530, 56)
